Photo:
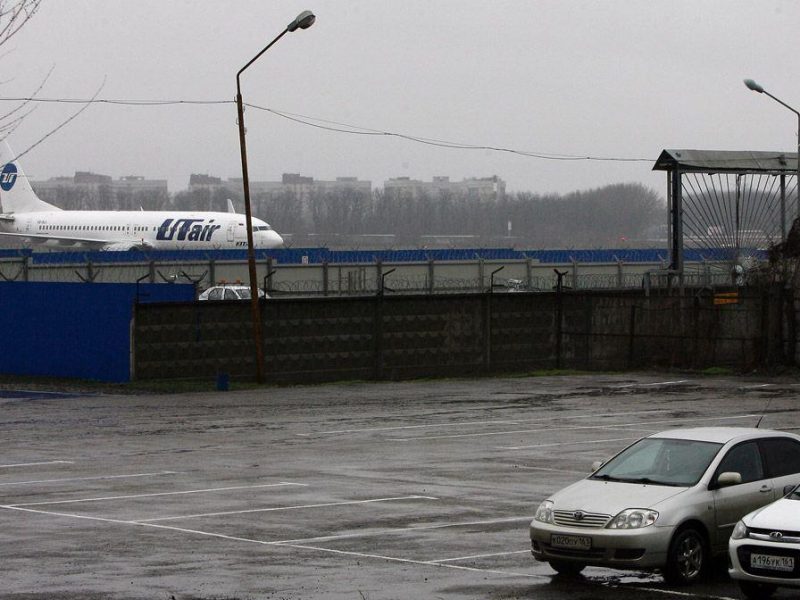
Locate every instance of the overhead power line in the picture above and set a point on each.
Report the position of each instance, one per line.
(335, 126)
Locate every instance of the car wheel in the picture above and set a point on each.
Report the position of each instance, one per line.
(757, 591)
(563, 567)
(686, 557)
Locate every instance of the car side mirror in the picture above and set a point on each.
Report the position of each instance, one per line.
(596, 465)
(729, 478)
(787, 489)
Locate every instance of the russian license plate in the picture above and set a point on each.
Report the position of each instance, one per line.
(572, 542)
(772, 563)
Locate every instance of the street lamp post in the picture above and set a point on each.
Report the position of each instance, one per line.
(752, 85)
(303, 21)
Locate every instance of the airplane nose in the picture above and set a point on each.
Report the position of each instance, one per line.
(267, 239)
(274, 239)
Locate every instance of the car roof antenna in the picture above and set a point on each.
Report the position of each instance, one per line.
(761, 418)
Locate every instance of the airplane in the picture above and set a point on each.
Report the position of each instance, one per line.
(24, 216)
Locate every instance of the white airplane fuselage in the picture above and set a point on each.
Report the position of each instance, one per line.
(122, 230)
(27, 218)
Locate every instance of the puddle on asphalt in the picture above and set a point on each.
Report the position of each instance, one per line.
(627, 578)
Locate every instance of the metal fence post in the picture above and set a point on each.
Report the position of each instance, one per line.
(559, 314)
(486, 301)
(268, 277)
(529, 273)
(575, 285)
(377, 313)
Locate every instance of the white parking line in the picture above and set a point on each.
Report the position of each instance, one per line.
(572, 428)
(565, 444)
(340, 552)
(401, 427)
(474, 556)
(101, 477)
(401, 530)
(280, 508)
(417, 562)
(528, 468)
(462, 423)
(36, 464)
(673, 592)
(131, 496)
(656, 383)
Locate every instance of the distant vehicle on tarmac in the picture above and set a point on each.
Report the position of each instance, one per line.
(25, 217)
(227, 291)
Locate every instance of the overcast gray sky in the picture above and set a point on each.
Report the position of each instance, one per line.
(618, 78)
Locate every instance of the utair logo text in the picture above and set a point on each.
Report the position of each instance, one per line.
(190, 230)
(8, 177)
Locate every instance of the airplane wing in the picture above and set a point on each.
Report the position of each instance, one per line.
(93, 243)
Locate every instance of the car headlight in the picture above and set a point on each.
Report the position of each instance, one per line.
(545, 512)
(633, 518)
(740, 531)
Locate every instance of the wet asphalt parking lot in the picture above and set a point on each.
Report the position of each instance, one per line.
(360, 491)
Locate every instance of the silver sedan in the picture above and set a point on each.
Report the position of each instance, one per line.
(668, 501)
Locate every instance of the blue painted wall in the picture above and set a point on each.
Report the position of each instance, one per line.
(287, 256)
(74, 330)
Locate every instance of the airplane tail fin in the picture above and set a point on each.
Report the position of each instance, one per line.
(16, 193)
(230, 206)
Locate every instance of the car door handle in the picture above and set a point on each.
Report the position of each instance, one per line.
(765, 489)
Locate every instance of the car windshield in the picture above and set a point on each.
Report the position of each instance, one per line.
(244, 293)
(660, 461)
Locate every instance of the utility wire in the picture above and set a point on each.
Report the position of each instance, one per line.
(333, 126)
(86, 104)
(339, 127)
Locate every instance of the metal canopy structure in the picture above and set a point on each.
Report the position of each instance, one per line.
(736, 202)
(727, 161)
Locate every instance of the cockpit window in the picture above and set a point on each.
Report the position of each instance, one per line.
(262, 228)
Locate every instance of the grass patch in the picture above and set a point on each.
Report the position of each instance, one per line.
(87, 386)
(557, 373)
(717, 371)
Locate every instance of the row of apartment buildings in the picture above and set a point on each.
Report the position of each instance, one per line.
(302, 187)
(403, 187)
(84, 180)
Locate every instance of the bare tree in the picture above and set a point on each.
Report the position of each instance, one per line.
(13, 16)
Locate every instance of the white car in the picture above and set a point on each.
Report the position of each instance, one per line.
(228, 291)
(668, 501)
(764, 548)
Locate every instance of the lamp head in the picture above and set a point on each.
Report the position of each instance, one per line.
(303, 21)
(752, 85)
